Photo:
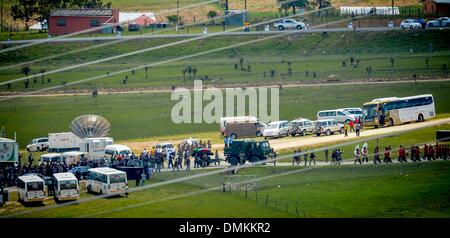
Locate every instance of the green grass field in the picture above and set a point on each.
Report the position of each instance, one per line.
(322, 55)
(395, 190)
(135, 116)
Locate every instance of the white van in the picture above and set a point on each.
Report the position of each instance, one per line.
(107, 180)
(225, 120)
(51, 157)
(65, 187)
(116, 150)
(31, 188)
(276, 129)
(355, 111)
(339, 115)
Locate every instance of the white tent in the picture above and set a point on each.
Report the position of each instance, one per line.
(125, 17)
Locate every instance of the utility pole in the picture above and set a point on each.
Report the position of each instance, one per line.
(245, 4)
(392, 7)
(1, 17)
(178, 16)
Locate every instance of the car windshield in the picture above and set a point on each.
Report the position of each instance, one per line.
(69, 184)
(273, 126)
(35, 186)
(117, 178)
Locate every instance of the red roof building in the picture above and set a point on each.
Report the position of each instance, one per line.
(66, 21)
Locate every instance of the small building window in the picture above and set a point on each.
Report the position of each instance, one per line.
(61, 22)
(94, 22)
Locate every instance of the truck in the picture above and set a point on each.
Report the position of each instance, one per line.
(289, 23)
(64, 141)
(9, 151)
(241, 151)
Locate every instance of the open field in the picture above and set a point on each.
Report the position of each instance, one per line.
(134, 116)
(315, 53)
(396, 190)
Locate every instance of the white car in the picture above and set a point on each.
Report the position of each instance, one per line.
(38, 144)
(410, 24)
(289, 23)
(276, 129)
(439, 22)
(327, 127)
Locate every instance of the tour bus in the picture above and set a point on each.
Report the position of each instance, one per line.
(107, 180)
(66, 187)
(394, 111)
(31, 188)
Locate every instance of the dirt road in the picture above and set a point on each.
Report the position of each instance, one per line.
(299, 141)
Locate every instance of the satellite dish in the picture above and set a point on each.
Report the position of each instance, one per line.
(90, 126)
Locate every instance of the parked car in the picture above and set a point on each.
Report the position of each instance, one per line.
(38, 144)
(439, 22)
(243, 129)
(327, 127)
(410, 24)
(81, 172)
(276, 129)
(301, 126)
(289, 23)
(340, 115)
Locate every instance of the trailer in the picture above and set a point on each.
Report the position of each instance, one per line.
(9, 151)
(94, 148)
(64, 141)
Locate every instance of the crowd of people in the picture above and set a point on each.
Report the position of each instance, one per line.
(152, 161)
(353, 126)
(361, 155)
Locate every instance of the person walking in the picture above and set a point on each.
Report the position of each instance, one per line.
(326, 155)
(402, 155)
(357, 153)
(339, 156)
(364, 152)
(188, 163)
(333, 156)
(387, 155)
(412, 151)
(312, 157)
(358, 129)
(346, 129)
(305, 156)
(294, 158)
(352, 128)
(376, 155)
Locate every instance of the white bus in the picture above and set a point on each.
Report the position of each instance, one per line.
(66, 187)
(394, 111)
(107, 180)
(31, 188)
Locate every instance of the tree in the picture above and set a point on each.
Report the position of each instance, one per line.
(285, 4)
(25, 10)
(173, 18)
(212, 14)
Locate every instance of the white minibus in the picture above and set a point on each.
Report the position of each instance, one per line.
(65, 187)
(107, 180)
(31, 188)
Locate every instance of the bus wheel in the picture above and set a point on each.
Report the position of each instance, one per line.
(89, 188)
(391, 122)
(304, 132)
(420, 119)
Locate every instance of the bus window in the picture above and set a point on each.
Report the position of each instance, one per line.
(117, 178)
(68, 184)
(35, 186)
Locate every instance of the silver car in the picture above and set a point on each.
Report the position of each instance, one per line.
(327, 127)
(301, 126)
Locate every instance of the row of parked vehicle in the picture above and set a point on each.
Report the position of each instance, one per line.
(65, 186)
(421, 23)
(328, 122)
